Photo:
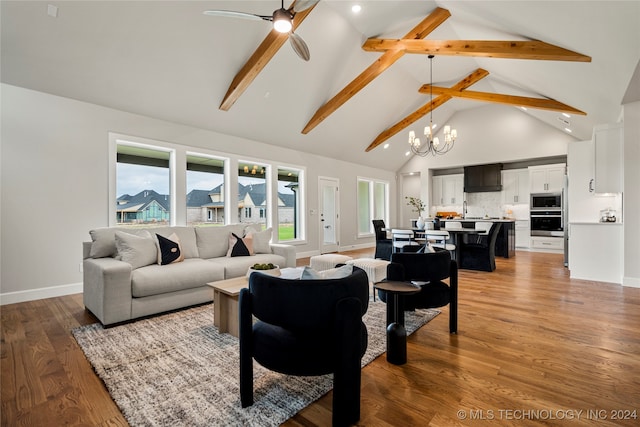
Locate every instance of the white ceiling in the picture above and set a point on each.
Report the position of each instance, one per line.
(167, 60)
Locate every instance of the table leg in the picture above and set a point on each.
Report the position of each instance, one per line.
(396, 332)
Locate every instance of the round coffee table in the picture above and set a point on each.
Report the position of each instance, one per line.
(396, 333)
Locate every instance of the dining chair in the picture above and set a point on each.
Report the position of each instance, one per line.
(402, 238)
(482, 228)
(384, 245)
(480, 254)
(453, 225)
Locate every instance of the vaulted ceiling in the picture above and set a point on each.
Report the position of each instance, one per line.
(167, 60)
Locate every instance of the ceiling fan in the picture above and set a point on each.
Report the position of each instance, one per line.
(282, 22)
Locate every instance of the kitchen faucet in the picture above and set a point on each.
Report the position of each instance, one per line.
(464, 209)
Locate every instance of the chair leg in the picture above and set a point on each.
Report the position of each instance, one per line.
(346, 377)
(246, 354)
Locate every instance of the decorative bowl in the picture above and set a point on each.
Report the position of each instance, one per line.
(275, 271)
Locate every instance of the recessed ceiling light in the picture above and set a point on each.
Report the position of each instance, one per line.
(566, 115)
(568, 130)
(407, 153)
(386, 146)
(356, 8)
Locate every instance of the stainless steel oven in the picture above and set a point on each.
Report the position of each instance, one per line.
(547, 223)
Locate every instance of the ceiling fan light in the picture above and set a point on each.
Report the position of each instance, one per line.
(282, 21)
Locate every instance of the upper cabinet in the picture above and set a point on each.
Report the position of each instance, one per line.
(547, 178)
(608, 142)
(515, 186)
(447, 190)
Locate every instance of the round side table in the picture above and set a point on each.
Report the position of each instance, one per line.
(396, 333)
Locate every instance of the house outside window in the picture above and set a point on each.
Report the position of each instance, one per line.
(253, 184)
(205, 190)
(142, 185)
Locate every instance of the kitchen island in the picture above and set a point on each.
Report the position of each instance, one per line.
(506, 240)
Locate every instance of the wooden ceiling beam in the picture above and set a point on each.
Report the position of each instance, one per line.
(472, 78)
(260, 58)
(423, 29)
(535, 50)
(519, 101)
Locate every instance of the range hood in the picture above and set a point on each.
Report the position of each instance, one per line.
(483, 178)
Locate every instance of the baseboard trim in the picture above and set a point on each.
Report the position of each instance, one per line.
(632, 282)
(41, 293)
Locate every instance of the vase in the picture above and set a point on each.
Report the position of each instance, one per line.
(420, 223)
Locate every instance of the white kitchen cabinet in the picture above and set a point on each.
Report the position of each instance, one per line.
(515, 186)
(584, 203)
(596, 252)
(523, 234)
(547, 244)
(547, 178)
(608, 147)
(447, 190)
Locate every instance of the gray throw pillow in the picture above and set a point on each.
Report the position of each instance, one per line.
(138, 251)
(261, 241)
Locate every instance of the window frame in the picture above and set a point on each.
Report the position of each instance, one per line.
(371, 194)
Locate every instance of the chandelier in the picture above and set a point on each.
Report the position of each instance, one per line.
(432, 144)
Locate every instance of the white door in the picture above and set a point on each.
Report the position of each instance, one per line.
(329, 214)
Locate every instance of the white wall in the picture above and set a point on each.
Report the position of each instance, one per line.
(54, 187)
(631, 216)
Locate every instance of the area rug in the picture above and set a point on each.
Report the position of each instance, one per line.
(177, 370)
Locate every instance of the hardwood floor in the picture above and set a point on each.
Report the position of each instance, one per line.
(533, 347)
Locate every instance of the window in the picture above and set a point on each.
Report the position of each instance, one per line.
(143, 181)
(205, 190)
(289, 202)
(373, 203)
(252, 192)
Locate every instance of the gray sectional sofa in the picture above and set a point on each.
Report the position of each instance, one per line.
(124, 280)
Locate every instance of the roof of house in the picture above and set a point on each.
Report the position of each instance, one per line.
(141, 200)
(201, 198)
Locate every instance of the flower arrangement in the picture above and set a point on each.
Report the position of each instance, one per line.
(417, 204)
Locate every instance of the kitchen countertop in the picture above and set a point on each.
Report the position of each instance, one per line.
(595, 223)
(479, 219)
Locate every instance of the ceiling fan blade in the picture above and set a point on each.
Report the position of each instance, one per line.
(299, 46)
(240, 15)
(301, 5)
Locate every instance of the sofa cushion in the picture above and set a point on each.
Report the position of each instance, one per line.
(138, 251)
(159, 279)
(103, 242)
(169, 249)
(187, 236)
(213, 241)
(238, 266)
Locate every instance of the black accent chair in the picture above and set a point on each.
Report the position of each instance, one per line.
(308, 328)
(432, 267)
(480, 252)
(384, 246)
